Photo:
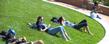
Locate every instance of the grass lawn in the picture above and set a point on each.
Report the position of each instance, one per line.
(17, 13)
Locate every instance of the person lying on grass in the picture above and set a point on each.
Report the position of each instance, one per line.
(11, 40)
(7, 35)
(82, 24)
(23, 40)
(53, 31)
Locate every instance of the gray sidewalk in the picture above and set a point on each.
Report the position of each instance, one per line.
(104, 21)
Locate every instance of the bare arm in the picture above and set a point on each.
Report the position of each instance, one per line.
(87, 28)
(45, 28)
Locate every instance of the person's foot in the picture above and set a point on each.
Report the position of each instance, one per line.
(85, 30)
(29, 24)
(69, 38)
(91, 34)
(98, 17)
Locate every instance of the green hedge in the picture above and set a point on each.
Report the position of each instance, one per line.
(105, 2)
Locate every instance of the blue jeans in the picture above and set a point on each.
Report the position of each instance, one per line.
(59, 29)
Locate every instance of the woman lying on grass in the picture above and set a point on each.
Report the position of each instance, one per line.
(53, 31)
(82, 24)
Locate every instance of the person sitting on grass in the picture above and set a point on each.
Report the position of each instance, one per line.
(38, 22)
(7, 35)
(53, 31)
(22, 40)
(82, 24)
(95, 7)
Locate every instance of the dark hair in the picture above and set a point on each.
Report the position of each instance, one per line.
(96, 3)
(61, 19)
(39, 18)
(83, 21)
(54, 19)
(3, 32)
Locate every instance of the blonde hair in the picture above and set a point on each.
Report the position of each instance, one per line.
(39, 42)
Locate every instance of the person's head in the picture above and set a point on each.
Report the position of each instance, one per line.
(61, 20)
(30, 42)
(39, 42)
(96, 3)
(3, 32)
(40, 18)
(84, 20)
(23, 39)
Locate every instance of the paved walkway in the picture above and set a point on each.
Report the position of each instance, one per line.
(104, 21)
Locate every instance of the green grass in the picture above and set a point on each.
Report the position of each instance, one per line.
(17, 13)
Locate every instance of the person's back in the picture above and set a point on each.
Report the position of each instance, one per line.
(39, 22)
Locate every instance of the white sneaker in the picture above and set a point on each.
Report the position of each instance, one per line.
(67, 40)
(29, 24)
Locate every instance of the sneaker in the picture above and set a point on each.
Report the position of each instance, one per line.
(29, 24)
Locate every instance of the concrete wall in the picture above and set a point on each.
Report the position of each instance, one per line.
(78, 3)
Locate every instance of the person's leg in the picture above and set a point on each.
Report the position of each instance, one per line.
(32, 25)
(2, 36)
(58, 29)
(53, 31)
(84, 29)
(67, 36)
(92, 14)
(98, 17)
(87, 28)
(64, 34)
(64, 31)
